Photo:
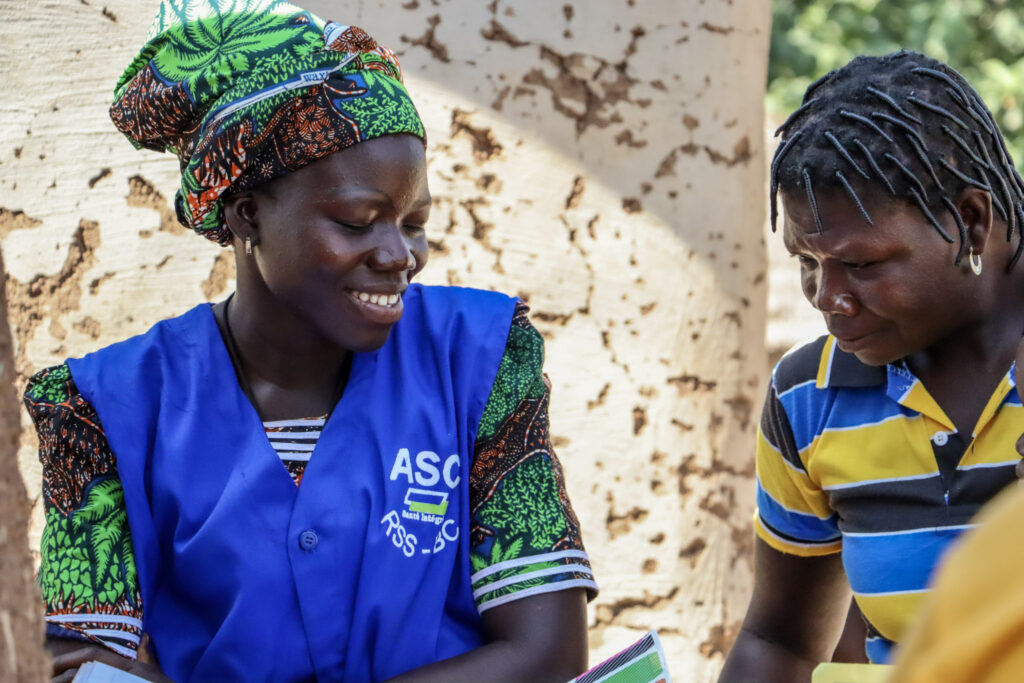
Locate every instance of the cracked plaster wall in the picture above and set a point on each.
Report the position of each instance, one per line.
(22, 659)
(603, 161)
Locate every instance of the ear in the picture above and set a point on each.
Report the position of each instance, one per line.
(240, 215)
(975, 207)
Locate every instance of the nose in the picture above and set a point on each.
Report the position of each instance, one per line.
(828, 292)
(393, 251)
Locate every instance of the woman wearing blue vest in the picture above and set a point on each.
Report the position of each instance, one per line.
(333, 475)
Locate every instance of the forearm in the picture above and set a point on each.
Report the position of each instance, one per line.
(538, 638)
(69, 654)
(59, 646)
(851, 643)
(754, 658)
(502, 661)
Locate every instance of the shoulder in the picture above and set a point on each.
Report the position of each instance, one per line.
(53, 400)
(520, 375)
(73, 448)
(799, 365)
(49, 387)
(525, 344)
(57, 406)
(167, 346)
(184, 329)
(438, 321)
(455, 300)
(821, 365)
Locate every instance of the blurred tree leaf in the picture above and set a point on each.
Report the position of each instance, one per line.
(982, 39)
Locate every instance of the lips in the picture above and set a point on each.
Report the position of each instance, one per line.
(851, 342)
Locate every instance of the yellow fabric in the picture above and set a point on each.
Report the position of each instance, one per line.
(825, 363)
(850, 673)
(972, 627)
(920, 400)
(837, 458)
(891, 613)
(1003, 432)
(788, 485)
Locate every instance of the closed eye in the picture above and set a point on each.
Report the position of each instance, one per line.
(859, 265)
(354, 227)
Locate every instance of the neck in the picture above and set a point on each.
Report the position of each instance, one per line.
(278, 347)
(286, 368)
(981, 349)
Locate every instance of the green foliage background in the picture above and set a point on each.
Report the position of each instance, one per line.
(982, 39)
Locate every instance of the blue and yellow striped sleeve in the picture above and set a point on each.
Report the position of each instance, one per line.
(793, 513)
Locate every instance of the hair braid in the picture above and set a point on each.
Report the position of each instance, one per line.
(906, 123)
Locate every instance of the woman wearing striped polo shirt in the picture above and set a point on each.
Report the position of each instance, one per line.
(880, 441)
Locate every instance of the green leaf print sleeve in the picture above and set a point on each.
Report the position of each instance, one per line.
(87, 570)
(525, 538)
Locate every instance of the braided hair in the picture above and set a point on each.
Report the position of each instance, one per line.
(904, 122)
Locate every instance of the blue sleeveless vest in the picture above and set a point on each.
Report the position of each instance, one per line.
(361, 573)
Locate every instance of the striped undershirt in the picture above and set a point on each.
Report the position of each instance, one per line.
(294, 441)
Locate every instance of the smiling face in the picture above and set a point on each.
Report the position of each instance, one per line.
(336, 243)
(886, 291)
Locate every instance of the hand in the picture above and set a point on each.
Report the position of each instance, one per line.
(65, 665)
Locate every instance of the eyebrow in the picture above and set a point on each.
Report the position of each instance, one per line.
(341, 193)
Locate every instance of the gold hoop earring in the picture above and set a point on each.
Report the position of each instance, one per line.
(248, 246)
(975, 261)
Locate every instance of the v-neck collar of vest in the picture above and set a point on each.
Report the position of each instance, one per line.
(235, 403)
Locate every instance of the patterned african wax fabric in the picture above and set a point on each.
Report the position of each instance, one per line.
(244, 91)
(522, 525)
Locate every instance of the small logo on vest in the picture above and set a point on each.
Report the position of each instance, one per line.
(423, 503)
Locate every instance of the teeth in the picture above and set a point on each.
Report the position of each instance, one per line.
(378, 299)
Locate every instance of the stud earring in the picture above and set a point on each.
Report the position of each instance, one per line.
(248, 246)
(975, 261)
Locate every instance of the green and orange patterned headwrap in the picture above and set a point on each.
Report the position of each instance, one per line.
(244, 91)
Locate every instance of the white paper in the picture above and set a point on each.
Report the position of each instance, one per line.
(98, 672)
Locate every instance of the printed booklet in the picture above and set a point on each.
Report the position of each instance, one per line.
(641, 662)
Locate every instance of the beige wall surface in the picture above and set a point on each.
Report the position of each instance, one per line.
(602, 160)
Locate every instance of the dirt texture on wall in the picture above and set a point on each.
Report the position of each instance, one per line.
(602, 161)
